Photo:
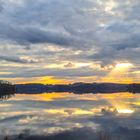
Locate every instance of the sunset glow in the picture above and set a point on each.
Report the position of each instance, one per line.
(120, 74)
(69, 69)
(52, 51)
(125, 111)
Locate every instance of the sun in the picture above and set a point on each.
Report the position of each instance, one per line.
(123, 65)
(120, 73)
(109, 5)
(125, 111)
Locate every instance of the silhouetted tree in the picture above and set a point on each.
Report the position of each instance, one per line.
(6, 89)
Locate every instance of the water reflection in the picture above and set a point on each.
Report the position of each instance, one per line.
(51, 113)
(49, 96)
(6, 96)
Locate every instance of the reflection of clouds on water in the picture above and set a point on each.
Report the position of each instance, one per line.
(66, 111)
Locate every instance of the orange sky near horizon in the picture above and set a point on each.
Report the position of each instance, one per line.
(120, 73)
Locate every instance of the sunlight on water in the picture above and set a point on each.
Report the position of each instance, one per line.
(64, 111)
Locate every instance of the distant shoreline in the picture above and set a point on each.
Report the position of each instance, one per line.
(78, 88)
(7, 89)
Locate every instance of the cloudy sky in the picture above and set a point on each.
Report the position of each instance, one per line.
(62, 41)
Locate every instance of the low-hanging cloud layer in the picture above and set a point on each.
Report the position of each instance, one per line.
(68, 38)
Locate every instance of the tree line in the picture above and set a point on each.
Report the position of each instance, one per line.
(6, 89)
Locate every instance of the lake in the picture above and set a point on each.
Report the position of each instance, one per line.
(53, 113)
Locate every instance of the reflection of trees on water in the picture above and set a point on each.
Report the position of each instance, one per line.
(7, 90)
(6, 96)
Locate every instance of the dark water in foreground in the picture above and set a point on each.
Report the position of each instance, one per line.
(67, 114)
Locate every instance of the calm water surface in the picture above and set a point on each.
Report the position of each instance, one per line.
(55, 112)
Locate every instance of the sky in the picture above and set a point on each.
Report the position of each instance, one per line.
(64, 41)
